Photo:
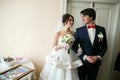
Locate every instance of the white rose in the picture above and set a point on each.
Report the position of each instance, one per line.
(100, 35)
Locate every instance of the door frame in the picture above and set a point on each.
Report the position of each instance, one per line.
(63, 6)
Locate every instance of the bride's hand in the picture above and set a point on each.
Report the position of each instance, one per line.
(79, 51)
(65, 45)
(68, 46)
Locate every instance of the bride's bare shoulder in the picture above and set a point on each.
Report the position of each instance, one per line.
(58, 33)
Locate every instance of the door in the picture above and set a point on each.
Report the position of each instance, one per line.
(104, 13)
(104, 17)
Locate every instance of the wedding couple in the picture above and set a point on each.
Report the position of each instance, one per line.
(76, 55)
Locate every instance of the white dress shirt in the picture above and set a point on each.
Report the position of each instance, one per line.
(91, 33)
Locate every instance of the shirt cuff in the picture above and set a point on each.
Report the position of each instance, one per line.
(84, 57)
(99, 57)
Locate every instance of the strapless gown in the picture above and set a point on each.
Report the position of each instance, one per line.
(60, 65)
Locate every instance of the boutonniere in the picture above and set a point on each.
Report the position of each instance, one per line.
(100, 35)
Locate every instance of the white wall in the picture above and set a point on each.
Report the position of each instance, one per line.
(27, 28)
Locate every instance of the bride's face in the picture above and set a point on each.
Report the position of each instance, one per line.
(70, 22)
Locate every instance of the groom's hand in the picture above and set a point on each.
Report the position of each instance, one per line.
(95, 58)
(90, 59)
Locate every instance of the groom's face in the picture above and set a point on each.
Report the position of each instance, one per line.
(86, 19)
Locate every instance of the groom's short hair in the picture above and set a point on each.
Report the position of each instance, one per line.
(90, 12)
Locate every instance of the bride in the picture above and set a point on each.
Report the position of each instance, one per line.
(63, 62)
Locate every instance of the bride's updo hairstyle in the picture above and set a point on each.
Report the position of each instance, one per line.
(65, 18)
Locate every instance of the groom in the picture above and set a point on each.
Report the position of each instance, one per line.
(92, 40)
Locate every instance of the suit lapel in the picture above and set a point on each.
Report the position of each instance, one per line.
(86, 34)
(96, 32)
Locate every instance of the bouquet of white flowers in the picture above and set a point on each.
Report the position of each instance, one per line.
(69, 39)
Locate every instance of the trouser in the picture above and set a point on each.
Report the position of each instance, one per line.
(88, 72)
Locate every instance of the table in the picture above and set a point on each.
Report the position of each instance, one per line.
(20, 61)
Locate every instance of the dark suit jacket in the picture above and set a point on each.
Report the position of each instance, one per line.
(82, 38)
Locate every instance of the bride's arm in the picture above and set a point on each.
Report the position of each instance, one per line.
(55, 45)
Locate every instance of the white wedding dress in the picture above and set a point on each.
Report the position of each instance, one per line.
(60, 65)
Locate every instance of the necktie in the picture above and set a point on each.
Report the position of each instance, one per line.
(91, 27)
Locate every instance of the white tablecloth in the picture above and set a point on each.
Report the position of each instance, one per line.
(22, 61)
